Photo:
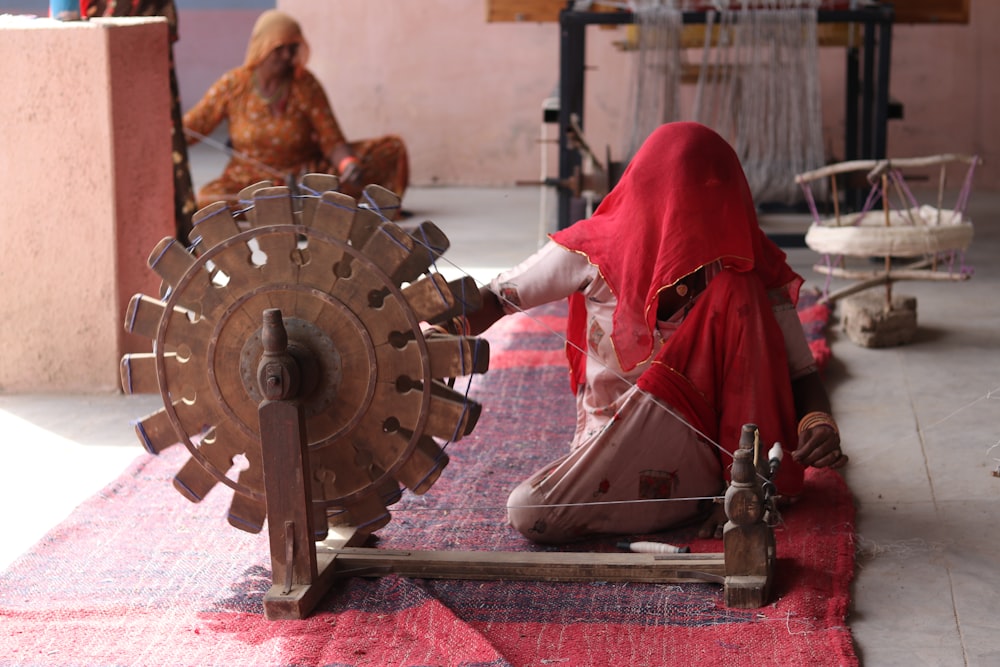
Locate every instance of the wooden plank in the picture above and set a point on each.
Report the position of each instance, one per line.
(693, 35)
(245, 198)
(170, 260)
(524, 11)
(334, 215)
(532, 565)
(435, 301)
(513, 566)
(283, 458)
(432, 299)
(932, 11)
(447, 415)
(365, 223)
(382, 200)
(143, 315)
(274, 207)
(194, 480)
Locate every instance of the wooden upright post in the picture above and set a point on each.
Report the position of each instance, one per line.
(747, 540)
(285, 458)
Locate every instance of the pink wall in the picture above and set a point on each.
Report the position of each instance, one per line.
(210, 42)
(467, 94)
(84, 160)
(947, 77)
(87, 193)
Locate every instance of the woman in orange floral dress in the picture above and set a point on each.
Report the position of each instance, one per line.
(184, 203)
(281, 124)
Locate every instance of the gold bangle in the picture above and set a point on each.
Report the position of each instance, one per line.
(347, 161)
(813, 419)
(456, 326)
(461, 325)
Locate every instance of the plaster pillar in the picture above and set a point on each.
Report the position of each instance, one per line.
(86, 192)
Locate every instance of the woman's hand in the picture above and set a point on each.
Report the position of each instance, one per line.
(819, 446)
(347, 164)
(819, 437)
(350, 170)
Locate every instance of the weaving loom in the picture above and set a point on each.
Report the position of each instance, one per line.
(756, 76)
(756, 73)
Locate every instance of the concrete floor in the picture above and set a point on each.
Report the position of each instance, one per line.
(921, 423)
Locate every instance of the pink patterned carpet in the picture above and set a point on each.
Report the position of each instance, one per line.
(139, 576)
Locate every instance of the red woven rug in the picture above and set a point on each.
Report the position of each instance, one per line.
(139, 576)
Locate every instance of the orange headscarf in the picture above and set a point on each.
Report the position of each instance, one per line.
(273, 29)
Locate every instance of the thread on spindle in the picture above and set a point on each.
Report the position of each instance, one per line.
(653, 548)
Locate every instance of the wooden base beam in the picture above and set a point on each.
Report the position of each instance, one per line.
(534, 565)
(304, 571)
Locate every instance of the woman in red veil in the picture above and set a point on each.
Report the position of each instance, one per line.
(682, 328)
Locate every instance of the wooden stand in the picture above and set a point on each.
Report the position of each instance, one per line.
(343, 383)
(303, 571)
(914, 242)
(747, 540)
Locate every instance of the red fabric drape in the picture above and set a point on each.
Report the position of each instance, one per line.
(682, 203)
(725, 366)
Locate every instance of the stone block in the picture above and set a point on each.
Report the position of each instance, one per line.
(870, 321)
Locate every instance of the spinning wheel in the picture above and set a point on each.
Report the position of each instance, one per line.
(288, 350)
(352, 291)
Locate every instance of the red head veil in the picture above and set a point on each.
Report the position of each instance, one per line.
(682, 203)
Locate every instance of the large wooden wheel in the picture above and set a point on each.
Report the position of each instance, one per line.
(354, 292)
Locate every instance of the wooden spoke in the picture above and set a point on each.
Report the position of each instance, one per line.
(423, 467)
(389, 248)
(200, 475)
(448, 414)
(156, 432)
(213, 224)
(430, 243)
(245, 200)
(365, 223)
(381, 199)
(458, 356)
(138, 372)
(246, 512)
(170, 261)
(334, 214)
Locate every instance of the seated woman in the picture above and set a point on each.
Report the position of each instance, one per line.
(682, 328)
(281, 124)
(184, 201)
